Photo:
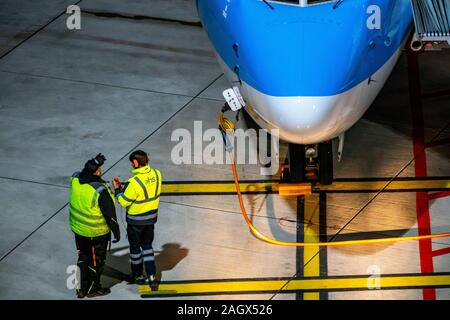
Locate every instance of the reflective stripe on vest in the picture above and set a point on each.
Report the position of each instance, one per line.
(123, 196)
(144, 216)
(78, 212)
(98, 190)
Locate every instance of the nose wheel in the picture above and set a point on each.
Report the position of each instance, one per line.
(309, 163)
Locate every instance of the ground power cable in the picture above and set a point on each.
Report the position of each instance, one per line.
(227, 127)
(365, 206)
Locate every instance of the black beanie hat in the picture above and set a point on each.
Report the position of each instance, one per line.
(92, 165)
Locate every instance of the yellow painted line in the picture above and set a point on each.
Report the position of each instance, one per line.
(311, 258)
(304, 284)
(226, 187)
(170, 188)
(394, 185)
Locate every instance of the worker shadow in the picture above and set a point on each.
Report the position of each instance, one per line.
(117, 268)
(166, 259)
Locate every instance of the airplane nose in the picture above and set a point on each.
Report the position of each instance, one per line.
(302, 120)
(307, 120)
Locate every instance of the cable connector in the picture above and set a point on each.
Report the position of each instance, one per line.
(233, 98)
(225, 108)
(226, 140)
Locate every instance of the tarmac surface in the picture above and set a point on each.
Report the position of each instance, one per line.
(136, 72)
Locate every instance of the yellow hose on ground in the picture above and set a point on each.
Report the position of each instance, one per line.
(227, 126)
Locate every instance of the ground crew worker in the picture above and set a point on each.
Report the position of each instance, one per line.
(140, 195)
(92, 218)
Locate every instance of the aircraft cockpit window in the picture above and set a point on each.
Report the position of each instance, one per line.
(286, 1)
(317, 1)
(302, 3)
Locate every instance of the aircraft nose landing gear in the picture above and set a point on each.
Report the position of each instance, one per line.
(310, 163)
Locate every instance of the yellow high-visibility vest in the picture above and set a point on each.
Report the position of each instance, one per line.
(86, 218)
(141, 196)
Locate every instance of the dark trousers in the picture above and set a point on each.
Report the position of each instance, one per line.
(141, 250)
(91, 260)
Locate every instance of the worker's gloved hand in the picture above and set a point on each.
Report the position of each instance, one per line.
(116, 238)
(117, 183)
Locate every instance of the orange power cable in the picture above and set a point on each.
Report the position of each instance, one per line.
(264, 238)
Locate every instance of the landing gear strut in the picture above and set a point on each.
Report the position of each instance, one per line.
(310, 163)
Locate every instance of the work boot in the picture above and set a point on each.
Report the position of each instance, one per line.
(140, 280)
(81, 294)
(99, 292)
(129, 278)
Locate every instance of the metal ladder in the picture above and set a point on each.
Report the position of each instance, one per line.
(432, 21)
